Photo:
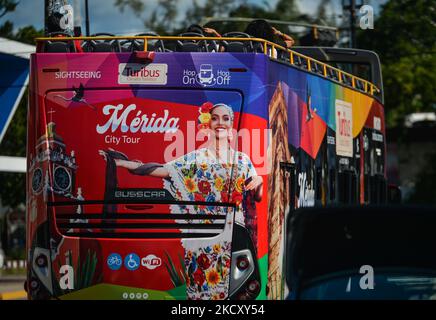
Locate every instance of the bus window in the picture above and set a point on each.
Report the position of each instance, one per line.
(374, 180)
(320, 175)
(331, 164)
(348, 173)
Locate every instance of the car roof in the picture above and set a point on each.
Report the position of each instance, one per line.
(327, 240)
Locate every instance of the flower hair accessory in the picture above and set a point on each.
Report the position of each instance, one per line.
(205, 116)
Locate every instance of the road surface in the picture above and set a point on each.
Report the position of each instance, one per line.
(12, 287)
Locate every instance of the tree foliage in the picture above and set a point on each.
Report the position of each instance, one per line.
(404, 37)
(162, 18)
(13, 185)
(7, 6)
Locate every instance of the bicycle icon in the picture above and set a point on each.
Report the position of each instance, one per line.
(131, 261)
(114, 261)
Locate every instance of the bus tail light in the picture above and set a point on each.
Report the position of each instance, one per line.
(34, 284)
(41, 261)
(253, 287)
(245, 277)
(242, 263)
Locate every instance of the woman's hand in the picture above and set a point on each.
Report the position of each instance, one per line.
(212, 31)
(254, 183)
(104, 155)
(286, 38)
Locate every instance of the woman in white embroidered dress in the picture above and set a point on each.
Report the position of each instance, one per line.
(215, 173)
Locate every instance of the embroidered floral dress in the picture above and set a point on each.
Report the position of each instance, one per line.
(198, 176)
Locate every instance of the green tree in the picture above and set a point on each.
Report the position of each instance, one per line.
(163, 17)
(7, 6)
(404, 38)
(287, 10)
(321, 15)
(7, 30)
(13, 185)
(28, 35)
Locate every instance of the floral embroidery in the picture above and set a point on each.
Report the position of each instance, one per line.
(208, 272)
(239, 184)
(203, 261)
(216, 248)
(190, 185)
(199, 277)
(237, 198)
(213, 278)
(204, 187)
(216, 297)
(219, 184)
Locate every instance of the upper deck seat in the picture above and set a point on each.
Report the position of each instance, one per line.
(59, 46)
(297, 61)
(360, 85)
(138, 44)
(332, 74)
(347, 80)
(102, 45)
(304, 64)
(188, 45)
(237, 45)
(317, 68)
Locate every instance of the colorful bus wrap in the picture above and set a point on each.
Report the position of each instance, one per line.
(172, 178)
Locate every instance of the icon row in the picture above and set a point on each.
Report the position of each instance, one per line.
(132, 261)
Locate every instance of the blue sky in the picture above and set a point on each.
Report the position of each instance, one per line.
(105, 17)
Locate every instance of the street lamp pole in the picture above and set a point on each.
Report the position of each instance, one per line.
(353, 24)
(351, 6)
(87, 18)
(47, 7)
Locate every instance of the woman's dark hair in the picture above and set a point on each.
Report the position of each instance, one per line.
(195, 28)
(260, 29)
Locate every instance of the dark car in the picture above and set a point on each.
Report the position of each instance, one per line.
(356, 253)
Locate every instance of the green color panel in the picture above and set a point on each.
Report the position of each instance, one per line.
(263, 269)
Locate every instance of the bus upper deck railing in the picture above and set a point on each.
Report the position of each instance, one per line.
(269, 48)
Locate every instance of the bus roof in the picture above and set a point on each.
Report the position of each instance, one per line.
(292, 57)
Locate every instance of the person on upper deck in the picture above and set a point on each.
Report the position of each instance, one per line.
(207, 32)
(262, 29)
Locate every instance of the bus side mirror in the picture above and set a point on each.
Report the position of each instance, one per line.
(394, 194)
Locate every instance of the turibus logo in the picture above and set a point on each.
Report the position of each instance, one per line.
(151, 262)
(135, 73)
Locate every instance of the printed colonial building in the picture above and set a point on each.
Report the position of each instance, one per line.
(278, 185)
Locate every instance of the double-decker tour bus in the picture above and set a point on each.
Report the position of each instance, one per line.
(157, 173)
